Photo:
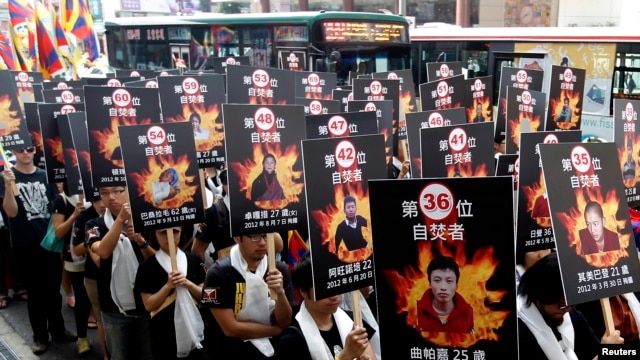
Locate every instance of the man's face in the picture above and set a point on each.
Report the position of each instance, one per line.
(553, 313)
(350, 210)
(595, 224)
(479, 110)
(195, 122)
(443, 284)
(24, 156)
(325, 306)
(253, 247)
(113, 197)
(165, 177)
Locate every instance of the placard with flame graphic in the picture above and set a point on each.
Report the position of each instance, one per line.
(162, 176)
(443, 94)
(62, 84)
(140, 74)
(52, 143)
(526, 79)
(337, 171)
(219, 64)
(343, 96)
(24, 84)
(625, 118)
(72, 171)
(445, 219)
(63, 96)
(457, 151)
(443, 70)
(590, 218)
(319, 106)
(14, 133)
(78, 126)
(407, 97)
(380, 90)
(525, 113)
(479, 99)
(197, 100)
(266, 183)
(149, 83)
(260, 86)
(425, 119)
(341, 125)
(384, 114)
(315, 85)
(32, 119)
(565, 98)
(533, 224)
(110, 108)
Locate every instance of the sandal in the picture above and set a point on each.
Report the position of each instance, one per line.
(4, 302)
(21, 295)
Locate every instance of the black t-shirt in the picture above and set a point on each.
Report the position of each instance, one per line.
(96, 230)
(293, 346)
(62, 206)
(224, 288)
(34, 208)
(586, 344)
(151, 277)
(217, 227)
(78, 236)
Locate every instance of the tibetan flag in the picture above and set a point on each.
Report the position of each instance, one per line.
(7, 54)
(50, 62)
(23, 32)
(76, 19)
(296, 247)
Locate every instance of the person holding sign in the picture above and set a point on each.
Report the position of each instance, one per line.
(547, 327)
(349, 232)
(111, 237)
(441, 308)
(321, 329)
(595, 238)
(266, 186)
(177, 328)
(167, 187)
(236, 291)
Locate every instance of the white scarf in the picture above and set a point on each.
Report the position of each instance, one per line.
(317, 347)
(186, 317)
(545, 337)
(256, 305)
(367, 315)
(634, 305)
(124, 267)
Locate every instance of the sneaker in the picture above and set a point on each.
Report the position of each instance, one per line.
(84, 345)
(39, 347)
(66, 336)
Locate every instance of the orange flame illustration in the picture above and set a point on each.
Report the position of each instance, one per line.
(467, 170)
(107, 140)
(37, 140)
(251, 168)
(411, 284)
(188, 184)
(329, 219)
(573, 221)
(263, 100)
(515, 126)
(555, 106)
(56, 148)
(537, 205)
(623, 157)
(72, 154)
(486, 108)
(407, 105)
(208, 117)
(86, 157)
(10, 118)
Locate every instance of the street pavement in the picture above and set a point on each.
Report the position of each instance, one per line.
(15, 331)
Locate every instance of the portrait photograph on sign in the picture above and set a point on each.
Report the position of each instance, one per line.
(110, 108)
(162, 176)
(533, 223)
(566, 90)
(479, 99)
(262, 86)
(525, 113)
(625, 118)
(457, 151)
(443, 70)
(264, 159)
(197, 100)
(51, 140)
(590, 218)
(341, 125)
(526, 79)
(14, 133)
(339, 219)
(32, 119)
(319, 106)
(424, 119)
(443, 286)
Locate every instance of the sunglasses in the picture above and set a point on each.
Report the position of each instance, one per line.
(29, 149)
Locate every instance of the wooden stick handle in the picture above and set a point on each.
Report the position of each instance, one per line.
(271, 258)
(608, 317)
(357, 312)
(172, 249)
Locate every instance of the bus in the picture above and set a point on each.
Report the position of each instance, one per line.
(321, 41)
(610, 56)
